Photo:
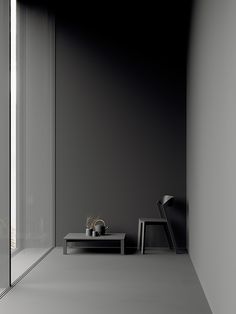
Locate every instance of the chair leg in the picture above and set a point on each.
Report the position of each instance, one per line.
(169, 239)
(143, 238)
(172, 236)
(139, 234)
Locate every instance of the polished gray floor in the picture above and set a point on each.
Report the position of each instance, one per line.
(100, 283)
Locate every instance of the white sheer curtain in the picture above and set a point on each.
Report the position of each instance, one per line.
(35, 135)
(4, 144)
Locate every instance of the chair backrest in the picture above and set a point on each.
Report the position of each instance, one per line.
(166, 200)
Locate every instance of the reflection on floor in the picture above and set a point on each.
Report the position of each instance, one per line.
(108, 283)
(24, 259)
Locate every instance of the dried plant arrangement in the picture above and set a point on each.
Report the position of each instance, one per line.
(90, 221)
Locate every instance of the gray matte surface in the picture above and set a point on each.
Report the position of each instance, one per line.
(163, 283)
(212, 151)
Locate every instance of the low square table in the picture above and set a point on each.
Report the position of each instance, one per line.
(76, 237)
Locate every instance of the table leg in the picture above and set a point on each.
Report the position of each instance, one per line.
(122, 247)
(65, 247)
(143, 238)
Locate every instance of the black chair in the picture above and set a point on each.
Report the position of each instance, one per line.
(162, 221)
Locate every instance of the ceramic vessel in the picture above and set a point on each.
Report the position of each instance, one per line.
(95, 233)
(88, 232)
(100, 226)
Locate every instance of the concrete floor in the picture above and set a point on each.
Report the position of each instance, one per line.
(162, 283)
(24, 259)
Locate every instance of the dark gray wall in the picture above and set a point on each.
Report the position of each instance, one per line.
(120, 114)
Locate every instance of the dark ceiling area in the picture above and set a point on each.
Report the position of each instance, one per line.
(137, 32)
(145, 38)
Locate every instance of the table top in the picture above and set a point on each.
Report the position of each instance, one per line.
(107, 236)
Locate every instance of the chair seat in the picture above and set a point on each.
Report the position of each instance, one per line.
(152, 219)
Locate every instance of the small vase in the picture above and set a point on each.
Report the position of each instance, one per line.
(94, 233)
(88, 232)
